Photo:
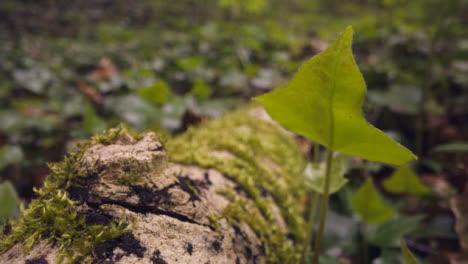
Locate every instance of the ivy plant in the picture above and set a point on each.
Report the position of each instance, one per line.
(370, 205)
(9, 200)
(405, 180)
(314, 175)
(371, 208)
(323, 102)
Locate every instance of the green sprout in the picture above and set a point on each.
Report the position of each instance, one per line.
(323, 102)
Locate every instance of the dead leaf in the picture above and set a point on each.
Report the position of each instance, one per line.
(89, 91)
(372, 59)
(318, 45)
(32, 112)
(458, 258)
(104, 70)
(439, 184)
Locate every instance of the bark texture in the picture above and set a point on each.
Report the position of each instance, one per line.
(225, 192)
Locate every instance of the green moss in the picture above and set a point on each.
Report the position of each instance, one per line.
(111, 135)
(128, 178)
(214, 222)
(53, 216)
(253, 145)
(278, 249)
(192, 188)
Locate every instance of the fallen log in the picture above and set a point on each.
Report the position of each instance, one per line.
(227, 191)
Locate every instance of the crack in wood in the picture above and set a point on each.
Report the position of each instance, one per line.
(144, 209)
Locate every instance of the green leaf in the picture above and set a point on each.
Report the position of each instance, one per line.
(388, 233)
(323, 102)
(9, 200)
(92, 123)
(201, 90)
(10, 154)
(408, 257)
(400, 99)
(404, 180)
(315, 175)
(328, 260)
(370, 205)
(323, 260)
(389, 256)
(157, 93)
(452, 147)
(190, 63)
(250, 6)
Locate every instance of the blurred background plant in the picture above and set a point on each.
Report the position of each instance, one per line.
(69, 69)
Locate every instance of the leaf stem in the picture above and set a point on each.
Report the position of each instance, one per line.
(315, 197)
(323, 207)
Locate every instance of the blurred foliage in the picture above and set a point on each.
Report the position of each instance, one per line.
(315, 175)
(452, 147)
(9, 200)
(369, 204)
(404, 180)
(388, 233)
(408, 257)
(65, 75)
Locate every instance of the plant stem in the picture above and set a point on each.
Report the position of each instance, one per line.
(323, 207)
(310, 226)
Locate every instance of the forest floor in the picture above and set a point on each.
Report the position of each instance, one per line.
(66, 75)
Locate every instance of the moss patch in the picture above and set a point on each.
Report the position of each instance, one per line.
(254, 147)
(128, 179)
(111, 135)
(54, 217)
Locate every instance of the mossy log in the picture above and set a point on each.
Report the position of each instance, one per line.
(227, 191)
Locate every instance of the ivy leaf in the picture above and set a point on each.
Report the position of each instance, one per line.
(408, 257)
(9, 200)
(315, 175)
(157, 93)
(323, 102)
(370, 205)
(92, 123)
(201, 90)
(389, 256)
(404, 180)
(389, 233)
(10, 154)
